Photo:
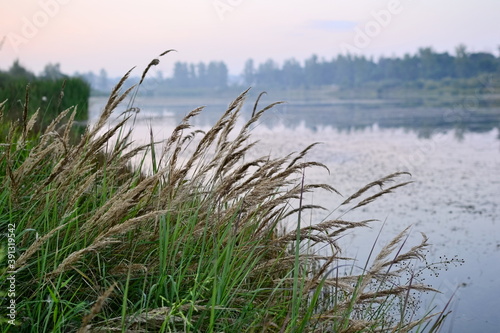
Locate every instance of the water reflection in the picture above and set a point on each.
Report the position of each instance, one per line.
(423, 120)
(462, 116)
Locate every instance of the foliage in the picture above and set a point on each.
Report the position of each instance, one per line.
(190, 244)
(213, 76)
(409, 71)
(48, 94)
(354, 70)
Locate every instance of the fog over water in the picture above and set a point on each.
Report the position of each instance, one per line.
(454, 161)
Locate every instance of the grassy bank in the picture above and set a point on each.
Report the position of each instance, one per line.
(47, 97)
(485, 88)
(193, 243)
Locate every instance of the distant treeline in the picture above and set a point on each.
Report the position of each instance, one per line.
(44, 93)
(353, 70)
(346, 71)
(215, 75)
(419, 70)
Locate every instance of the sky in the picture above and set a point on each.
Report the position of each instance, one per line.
(88, 35)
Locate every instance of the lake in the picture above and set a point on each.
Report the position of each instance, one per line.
(452, 152)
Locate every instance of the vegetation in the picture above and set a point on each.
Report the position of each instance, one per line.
(350, 71)
(186, 236)
(424, 72)
(49, 94)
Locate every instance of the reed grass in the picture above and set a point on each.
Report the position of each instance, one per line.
(192, 244)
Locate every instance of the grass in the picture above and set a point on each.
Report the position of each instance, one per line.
(193, 243)
(47, 97)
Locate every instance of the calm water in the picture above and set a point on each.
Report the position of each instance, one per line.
(453, 154)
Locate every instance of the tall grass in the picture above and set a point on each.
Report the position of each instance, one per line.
(193, 244)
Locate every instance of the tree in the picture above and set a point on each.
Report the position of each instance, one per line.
(202, 74)
(462, 69)
(249, 73)
(293, 75)
(434, 65)
(217, 74)
(268, 74)
(18, 71)
(312, 71)
(344, 74)
(103, 80)
(181, 74)
(192, 75)
(52, 72)
(409, 68)
(483, 62)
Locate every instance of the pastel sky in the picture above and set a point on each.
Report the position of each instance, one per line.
(85, 35)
